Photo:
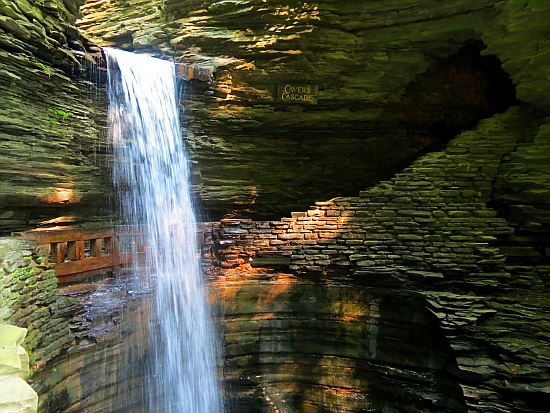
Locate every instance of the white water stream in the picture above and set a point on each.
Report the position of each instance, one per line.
(151, 172)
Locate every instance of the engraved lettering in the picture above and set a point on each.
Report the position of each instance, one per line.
(297, 93)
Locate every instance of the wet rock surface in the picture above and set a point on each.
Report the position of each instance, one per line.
(432, 230)
(289, 345)
(52, 118)
(332, 346)
(460, 236)
(394, 81)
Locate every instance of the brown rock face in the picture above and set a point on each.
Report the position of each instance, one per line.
(305, 346)
(392, 82)
(289, 344)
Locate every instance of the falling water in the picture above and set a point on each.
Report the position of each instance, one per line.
(151, 172)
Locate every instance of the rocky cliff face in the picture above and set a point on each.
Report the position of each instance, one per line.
(51, 119)
(430, 232)
(394, 80)
(461, 236)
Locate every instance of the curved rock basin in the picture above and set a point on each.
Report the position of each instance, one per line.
(290, 345)
(330, 346)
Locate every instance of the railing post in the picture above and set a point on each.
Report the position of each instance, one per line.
(111, 248)
(57, 252)
(75, 250)
(96, 246)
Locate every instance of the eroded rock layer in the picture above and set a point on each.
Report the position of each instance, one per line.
(422, 286)
(289, 345)
(309, 346)
(394, 79)
(51, 119)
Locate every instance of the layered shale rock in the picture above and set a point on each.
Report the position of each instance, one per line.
(30, 299)
(393, 80)
(305, 346)
(51, 138)
(449, 253)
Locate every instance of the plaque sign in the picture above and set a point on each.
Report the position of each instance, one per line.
(294, 93)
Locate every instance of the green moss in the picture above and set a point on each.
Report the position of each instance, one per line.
(46, 69)
(64, 114)
(60, 114)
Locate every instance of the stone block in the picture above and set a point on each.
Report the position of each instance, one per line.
(327, 227)
(328, 235)
(385, 213)
(299, 242)
(315, 213)
(366, 263)
(414, 213)
(409, 237)
(277, 242)
(15, 394)
(327, 241)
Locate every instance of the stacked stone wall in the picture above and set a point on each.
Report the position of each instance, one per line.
(30, 299)
(434, 215)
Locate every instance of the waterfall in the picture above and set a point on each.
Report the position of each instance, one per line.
(151, 173)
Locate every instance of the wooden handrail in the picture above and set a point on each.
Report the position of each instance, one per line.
(76, 253)
(49, 236)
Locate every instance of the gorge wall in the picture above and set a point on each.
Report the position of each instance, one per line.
(430, 231)
(425, 157)
(50, 129)
(395, 79)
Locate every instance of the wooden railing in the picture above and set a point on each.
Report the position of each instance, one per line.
(76, 253)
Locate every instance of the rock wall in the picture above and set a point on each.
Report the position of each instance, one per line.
(102, 369)
(461, 236)
(74, 342)
(52, 145)
(30, 299)
(394, 79)
(431, 229)
(331, 346)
